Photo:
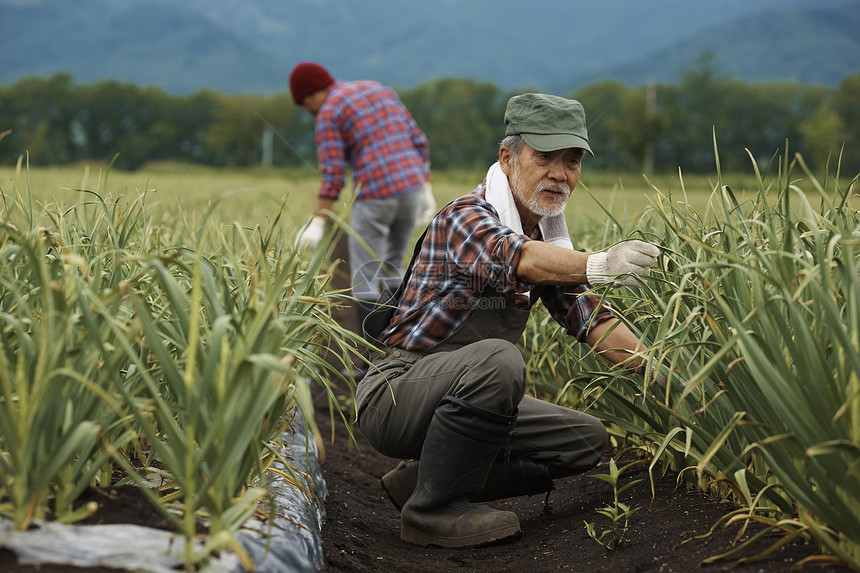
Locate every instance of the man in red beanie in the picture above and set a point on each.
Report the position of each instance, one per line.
(365, 125)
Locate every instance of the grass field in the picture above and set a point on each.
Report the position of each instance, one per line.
(249, 196)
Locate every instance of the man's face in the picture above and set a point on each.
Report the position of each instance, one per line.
(542, 181)
(314, 102)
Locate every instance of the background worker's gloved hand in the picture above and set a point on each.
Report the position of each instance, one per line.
(636, 257)
(312, 233)
(428, 205)
(659, 378)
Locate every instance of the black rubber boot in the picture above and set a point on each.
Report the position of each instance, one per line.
(519, 476)
(461, 444)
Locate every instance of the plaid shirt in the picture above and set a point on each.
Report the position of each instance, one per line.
(465, 250)
(363, 123)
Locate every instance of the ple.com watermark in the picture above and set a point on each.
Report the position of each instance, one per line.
(461, 303)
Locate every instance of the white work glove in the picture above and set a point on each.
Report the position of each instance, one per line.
(428, 205)
(312, 233)
(658, 378)
(636, 257)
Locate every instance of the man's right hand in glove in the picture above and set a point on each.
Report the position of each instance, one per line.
(312, 233)
(628, 257)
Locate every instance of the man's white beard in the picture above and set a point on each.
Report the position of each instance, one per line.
(533, 203)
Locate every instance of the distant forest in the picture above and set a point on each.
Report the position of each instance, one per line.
(657, 128)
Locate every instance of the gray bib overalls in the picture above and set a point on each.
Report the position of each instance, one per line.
(479, 364)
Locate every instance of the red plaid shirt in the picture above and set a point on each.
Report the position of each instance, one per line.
(363, 123)
(465, 250)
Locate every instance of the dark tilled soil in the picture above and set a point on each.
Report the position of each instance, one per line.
(361, 533)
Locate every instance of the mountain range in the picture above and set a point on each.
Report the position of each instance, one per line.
(249, 46)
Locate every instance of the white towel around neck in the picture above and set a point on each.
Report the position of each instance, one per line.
(553, 229)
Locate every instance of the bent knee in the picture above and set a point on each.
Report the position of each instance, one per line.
(495, 377)
(592, 440)
(598, 438)
(501, 360)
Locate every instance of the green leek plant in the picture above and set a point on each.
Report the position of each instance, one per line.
(753, 315)
(777, 286)
(54, 383)
(58, 362)
(230, 335)
(177, 352)
(794, 330)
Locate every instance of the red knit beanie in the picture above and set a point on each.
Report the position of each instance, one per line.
(307, 78)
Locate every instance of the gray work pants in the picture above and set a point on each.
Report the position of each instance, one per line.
(385, 226)
(396, 404)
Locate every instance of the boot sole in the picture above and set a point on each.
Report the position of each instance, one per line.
(422, 538)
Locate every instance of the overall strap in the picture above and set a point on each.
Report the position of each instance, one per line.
(380, 317)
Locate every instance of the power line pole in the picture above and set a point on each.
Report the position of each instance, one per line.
(268, 141)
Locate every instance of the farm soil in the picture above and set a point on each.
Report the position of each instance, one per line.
(361, 533)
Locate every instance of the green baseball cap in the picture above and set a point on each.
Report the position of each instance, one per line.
(547, 122)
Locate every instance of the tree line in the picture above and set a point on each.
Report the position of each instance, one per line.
(653, 128)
